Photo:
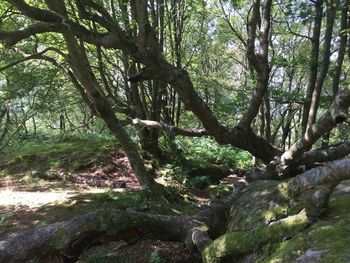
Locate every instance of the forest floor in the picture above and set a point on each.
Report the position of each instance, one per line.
(36, 189)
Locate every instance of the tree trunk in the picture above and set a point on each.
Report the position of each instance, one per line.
(83, 73)
(316, 31)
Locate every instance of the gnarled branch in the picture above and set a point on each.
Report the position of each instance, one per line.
(327, 154)
(314, 186)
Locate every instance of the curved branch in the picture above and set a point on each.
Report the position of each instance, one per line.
(107, 40)
(38, 55)
(13, 37)
(338, 113)
(179, 79)
(314, 186)
(330, 153)
(36, 13)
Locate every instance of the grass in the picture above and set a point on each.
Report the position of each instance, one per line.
(70, 153)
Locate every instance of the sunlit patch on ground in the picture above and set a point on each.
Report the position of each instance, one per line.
(9, 197)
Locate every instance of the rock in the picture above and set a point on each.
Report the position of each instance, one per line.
(311, 256)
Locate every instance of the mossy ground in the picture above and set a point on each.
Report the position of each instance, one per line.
(242, 242)
(70, 153)
(331, 234)
(21, 167)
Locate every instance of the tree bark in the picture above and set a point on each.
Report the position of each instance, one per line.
(316, 95)
(316, 31)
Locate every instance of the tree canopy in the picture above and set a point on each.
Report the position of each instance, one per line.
(266, 77)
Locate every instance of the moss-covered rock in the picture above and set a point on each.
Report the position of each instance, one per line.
(239, 243)
(265, 214)
(261, 203)
(328, 240)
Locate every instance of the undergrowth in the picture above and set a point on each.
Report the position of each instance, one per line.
(199, 151)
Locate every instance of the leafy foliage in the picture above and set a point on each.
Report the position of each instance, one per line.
(205, 150)
(155, 257)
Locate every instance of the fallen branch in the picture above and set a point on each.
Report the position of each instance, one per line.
(169, 129)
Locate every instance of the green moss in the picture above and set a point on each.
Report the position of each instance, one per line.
(59, 239)
(334, 234)
(236, 243)
(274, 213)
(68, 153)
(331, 234)
(286, 251)
(283, 189)
(256, 205)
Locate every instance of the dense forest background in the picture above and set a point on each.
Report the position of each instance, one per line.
(193, 90)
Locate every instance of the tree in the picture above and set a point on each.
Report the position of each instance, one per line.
(136, 31)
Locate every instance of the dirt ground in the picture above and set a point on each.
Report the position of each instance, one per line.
(27, 200)
(30, 198)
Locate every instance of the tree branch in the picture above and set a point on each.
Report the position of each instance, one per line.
(330, 153)
(169, 129)
(38, 55)
(13, 37)
(36, 13)
(259, 60)
(314, 186)
(338, 113)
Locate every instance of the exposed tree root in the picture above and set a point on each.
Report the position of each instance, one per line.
(75, 178)
(262, 212)
(70, 238)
